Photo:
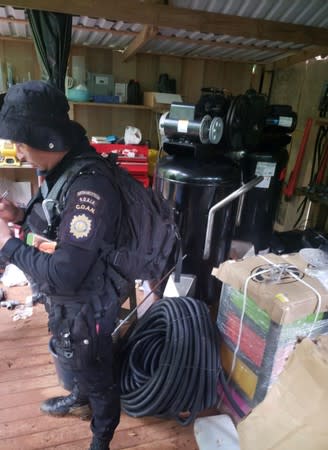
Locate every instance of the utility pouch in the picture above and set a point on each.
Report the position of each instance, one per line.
(105, 324)
(84, 338)
(117, 286)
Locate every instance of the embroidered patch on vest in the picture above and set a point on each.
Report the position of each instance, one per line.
(89, 193)
(80, 226)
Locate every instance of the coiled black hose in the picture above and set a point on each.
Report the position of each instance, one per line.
(170, 362)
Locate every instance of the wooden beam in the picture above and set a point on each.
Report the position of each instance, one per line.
(147, 33)
(300, 57)
(183, 18)
(188, 41)
(74, 27)
(29, 40)
(205, 58)
(294, 55)
(196, 57)
(218, 44)
(16, 39)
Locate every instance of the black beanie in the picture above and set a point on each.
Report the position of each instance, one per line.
(36, 113)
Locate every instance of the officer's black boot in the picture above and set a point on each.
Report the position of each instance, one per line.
(99, 444)
(72, 404)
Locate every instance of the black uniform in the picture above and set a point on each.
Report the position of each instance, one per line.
(70, 279)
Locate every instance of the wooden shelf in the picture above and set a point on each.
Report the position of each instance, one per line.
(13, 166)
(111, 105)
(101, 119)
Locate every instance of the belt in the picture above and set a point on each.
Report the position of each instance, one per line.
(66, 299)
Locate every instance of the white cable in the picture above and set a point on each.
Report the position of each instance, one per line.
(242, 319)
(319, 303)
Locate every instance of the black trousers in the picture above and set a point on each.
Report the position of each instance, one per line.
(93, 372)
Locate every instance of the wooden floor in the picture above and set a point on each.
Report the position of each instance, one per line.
(27, 377)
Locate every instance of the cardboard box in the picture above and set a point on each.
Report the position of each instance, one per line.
(160, 100)
(293, 415)
(100, 83)
(260, 327)
(121, 90)
(286, 300)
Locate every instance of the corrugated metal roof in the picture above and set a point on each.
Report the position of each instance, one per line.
(301, 12)
(118, 35)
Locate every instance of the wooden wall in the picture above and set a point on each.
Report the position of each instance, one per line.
(301, 87)
(22, 57)
(190, 75)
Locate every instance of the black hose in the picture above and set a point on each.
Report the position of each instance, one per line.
(315, 167)
(170, 362)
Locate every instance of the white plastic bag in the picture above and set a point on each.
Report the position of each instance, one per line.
(13, 276)
(132, 135)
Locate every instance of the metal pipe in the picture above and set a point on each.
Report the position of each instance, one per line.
(244, 188)
(131, 313)
(240, 209)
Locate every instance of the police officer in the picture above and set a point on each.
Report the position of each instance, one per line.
(70, 279)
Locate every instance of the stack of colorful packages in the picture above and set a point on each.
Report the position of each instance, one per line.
(267, 303)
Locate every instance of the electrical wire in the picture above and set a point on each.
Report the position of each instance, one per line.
(315, 167)
(321, 137)
(170, 362)
(312, 288)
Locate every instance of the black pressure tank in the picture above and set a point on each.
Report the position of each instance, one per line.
(193, 186)
(260, 204)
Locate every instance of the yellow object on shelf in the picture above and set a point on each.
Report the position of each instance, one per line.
(8, 154)
(152, 160)
(153, 156)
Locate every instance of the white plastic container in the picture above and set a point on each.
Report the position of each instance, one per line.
(216, 433)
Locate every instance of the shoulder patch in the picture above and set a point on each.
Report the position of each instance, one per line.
(80, 226)
(89, 194)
